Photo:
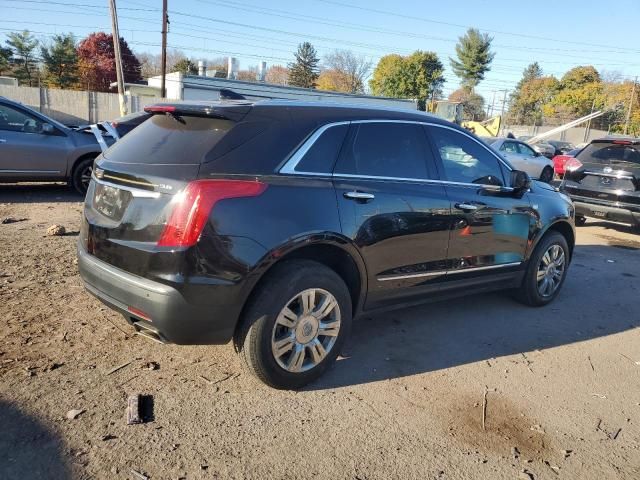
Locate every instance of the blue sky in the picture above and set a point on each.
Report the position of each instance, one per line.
(558, 34)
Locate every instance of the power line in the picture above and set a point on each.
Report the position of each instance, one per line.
(423, 19)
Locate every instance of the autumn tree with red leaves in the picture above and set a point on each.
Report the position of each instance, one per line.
(97, 66)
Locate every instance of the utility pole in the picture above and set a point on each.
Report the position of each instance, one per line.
(490, 108)
(165, 21)
(504, 103)
(116, 48)
(633, 91)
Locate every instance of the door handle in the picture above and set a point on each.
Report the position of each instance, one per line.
(360, 196)
(466, 206)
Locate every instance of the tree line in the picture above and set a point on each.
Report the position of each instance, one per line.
(89, 64)
(544, 99)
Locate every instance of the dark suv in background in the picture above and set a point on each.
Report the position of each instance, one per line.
(274, 223)
(603, 179)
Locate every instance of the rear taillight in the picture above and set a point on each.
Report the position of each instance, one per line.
(572, 164)
(160, 109)
(193, 206)
(559, 163)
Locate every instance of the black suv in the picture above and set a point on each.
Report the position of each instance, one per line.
(274, 223)
(604, 181)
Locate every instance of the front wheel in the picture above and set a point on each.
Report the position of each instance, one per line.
(546, 271)
(295, 324)
(82, 175)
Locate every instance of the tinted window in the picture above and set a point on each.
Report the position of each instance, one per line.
(321, 157)
(466, 160)
(386, 149)
(607, 153)
(164, 139)
(16, 121)
(526, 150)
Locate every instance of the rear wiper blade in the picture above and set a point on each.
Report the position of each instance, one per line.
(176, 117)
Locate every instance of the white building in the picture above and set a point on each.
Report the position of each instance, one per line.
(196, 87)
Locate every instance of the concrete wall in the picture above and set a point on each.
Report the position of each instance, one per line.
(574, 135)
(73, 107)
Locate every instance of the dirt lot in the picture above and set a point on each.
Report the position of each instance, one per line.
(406, 401)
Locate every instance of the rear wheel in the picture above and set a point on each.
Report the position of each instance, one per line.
(546, 271)
(82, 175)
(546, 175)
(295, 324)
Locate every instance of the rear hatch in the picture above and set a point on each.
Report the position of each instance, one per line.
(606, 171)
(141, 179)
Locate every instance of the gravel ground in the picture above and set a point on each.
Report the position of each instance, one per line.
(561, 383)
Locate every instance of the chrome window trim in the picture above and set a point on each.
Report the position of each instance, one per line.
(289, 167)
(136, 192)
(438, 273)
(610, 175)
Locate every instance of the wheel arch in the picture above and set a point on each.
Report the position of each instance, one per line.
(564, 228)
(81, 158)
(332, 250)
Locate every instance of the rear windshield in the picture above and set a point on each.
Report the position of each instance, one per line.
(607, 153)
(165, 140)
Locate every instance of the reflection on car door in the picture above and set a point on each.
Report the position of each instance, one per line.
(396, 217)
(489, 226)
(26, 152)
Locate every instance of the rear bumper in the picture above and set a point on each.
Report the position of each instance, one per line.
(172, 318)
(614, 213)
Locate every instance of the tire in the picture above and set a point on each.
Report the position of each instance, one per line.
(82, 175)
(532, 292)
(580, 221)
(547, 175)
(264, 327)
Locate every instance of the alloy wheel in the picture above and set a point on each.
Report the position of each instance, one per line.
(85, 176)
(305, 330)
(551, 270)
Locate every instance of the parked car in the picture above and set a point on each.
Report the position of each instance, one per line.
(542, 147)
(561, 146)
(523, 157)
(273, 223)
(603, 180)
(36, 148)
(559, 161)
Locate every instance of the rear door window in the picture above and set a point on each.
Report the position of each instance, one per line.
(389, 150)
(509, 147)
(526, 150)
(321, 156)
(166, 140)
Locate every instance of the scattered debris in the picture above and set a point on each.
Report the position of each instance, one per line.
(133, 410)
(119, 367)
(632, 361)
(7, 220)
(515, 453)
(615, 435)
(537, 428)
(56, 231)
(484, 408)
(599, 395)
(106, 437)
(139, 409)
(554, 468)
(54, 366)
(527, 361)
(591, 363)
(526, 475)
(75, 413)
(139, 475)
(152, 365)
(566, 453)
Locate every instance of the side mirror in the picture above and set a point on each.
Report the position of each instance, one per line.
(520, 182)
(536, 154)
(48, 128)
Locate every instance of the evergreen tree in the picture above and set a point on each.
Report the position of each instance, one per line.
(185, 66)
(23, 45)
(304, 71)
(61, 61)
(474, 57)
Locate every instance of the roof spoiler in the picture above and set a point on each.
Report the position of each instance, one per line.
(233, 112)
